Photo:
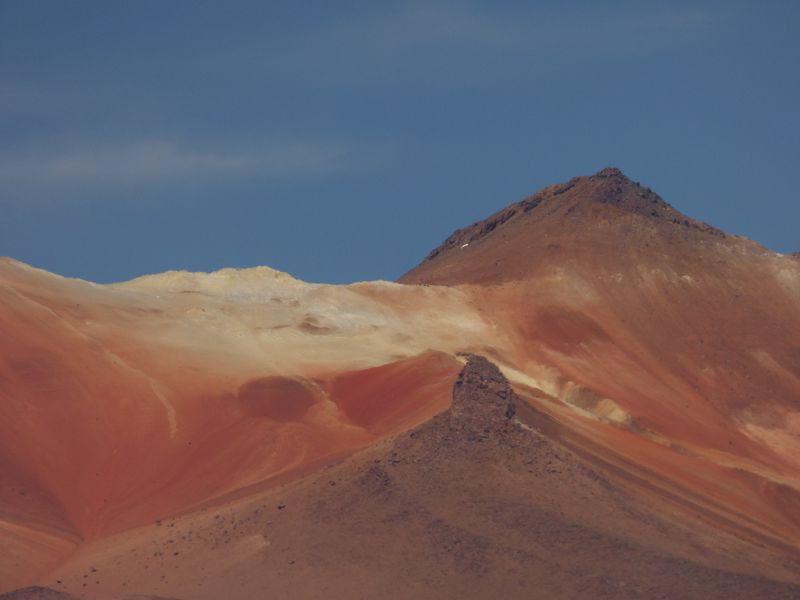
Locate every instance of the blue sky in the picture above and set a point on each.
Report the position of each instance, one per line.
(341, 141)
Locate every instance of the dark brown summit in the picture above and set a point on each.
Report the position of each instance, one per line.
(584, 213)
(608, 186)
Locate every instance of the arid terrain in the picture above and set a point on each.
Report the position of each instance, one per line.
(586, 395)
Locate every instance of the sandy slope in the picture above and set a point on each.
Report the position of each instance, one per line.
(123, 404)
(483, 499)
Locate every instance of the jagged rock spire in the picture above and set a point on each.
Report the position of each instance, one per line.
(483, 400)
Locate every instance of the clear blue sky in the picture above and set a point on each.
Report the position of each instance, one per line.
(341, 141)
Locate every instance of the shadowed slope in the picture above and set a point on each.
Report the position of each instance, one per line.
(40, 593)
(36, 593)
(481, 500)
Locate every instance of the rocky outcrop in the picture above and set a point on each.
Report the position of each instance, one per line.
(486, 418)
(482, 396)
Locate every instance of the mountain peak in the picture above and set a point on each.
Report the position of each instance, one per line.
(610, 172)
(612, 186)
(595, 209)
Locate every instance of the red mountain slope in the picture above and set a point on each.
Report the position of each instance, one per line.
(683, 338)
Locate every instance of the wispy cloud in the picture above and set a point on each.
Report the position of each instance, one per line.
(418, 38)
(525, 30)
(156, 160)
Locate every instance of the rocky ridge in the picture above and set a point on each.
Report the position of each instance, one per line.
(609, 187)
